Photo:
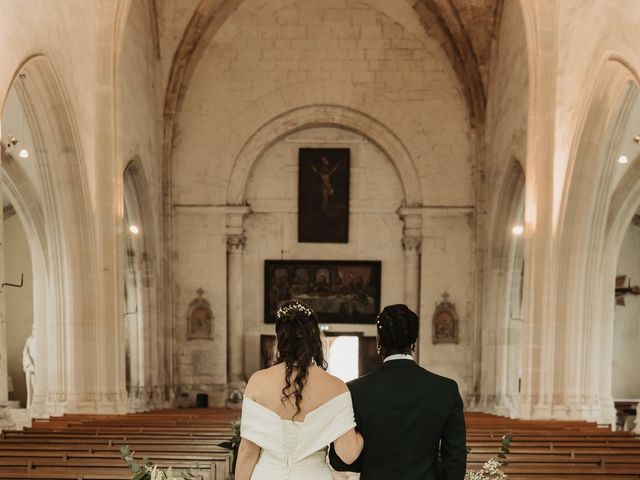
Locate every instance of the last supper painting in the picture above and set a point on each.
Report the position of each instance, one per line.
(338, 291)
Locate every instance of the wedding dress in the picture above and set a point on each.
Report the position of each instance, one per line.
(293, 450)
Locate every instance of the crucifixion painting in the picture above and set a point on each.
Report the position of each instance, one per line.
(323, 195)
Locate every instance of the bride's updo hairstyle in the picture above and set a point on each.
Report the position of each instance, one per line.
(298, 346)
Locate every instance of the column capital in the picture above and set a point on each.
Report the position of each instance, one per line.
(236, 242)
(411, 243)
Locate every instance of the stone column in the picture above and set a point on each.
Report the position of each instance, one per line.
(538, 341)
(411, 242)
(235, 292)
(411, 245)
(637, 429)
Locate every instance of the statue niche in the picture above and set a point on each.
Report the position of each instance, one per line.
(199, 319)
(445, 322)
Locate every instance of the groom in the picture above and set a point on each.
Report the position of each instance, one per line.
(406, 414)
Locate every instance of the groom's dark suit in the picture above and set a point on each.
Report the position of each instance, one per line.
(406, 414)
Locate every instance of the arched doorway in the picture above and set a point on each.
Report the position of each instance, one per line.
(502, 327)
(143, 346)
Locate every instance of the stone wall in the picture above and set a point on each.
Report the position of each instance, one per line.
(367, 61)
(375, 229)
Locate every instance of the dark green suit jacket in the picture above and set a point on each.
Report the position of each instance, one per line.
(407, 415)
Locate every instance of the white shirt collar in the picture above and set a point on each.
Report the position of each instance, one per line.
(397, 356)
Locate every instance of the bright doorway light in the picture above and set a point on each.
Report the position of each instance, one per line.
(343, 357)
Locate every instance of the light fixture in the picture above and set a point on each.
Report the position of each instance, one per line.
(622, 160)
(134, 229)
(12, 141)
(24, 153)
(636, 139)
(517, 230)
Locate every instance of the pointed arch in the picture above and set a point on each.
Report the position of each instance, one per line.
(589, 232)
(59, 224)
(322, 116)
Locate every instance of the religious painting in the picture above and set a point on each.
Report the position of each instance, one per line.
(199, 318)
(338, 291)
(445, 322)
(323, 195)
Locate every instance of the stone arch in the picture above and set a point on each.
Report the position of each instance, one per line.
(586, 271)
(141, 302)
(318, 116)
(64, 224)
(24, 198)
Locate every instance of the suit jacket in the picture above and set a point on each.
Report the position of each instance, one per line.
(407, 415)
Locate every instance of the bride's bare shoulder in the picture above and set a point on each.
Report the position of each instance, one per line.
(261, 379)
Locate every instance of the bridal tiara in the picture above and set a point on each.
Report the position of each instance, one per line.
(282, 311)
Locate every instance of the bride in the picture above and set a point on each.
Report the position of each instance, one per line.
(293, 410)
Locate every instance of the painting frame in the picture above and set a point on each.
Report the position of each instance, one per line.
(339, 291)
(324, 176)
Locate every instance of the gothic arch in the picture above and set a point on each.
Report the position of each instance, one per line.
(586, 258)
(60, 220)
(319, 116)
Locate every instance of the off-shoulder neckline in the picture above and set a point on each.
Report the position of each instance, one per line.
(319, 407)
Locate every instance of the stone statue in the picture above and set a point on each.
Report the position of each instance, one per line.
(29, 365)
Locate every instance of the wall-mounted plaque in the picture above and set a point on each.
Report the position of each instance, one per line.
(323, 195)
(199, 318)
(338, 291)
(445, 322)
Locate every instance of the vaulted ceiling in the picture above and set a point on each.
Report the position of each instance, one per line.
(464, 28)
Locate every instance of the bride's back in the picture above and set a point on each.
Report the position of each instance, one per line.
(294, 410)
(266, 388)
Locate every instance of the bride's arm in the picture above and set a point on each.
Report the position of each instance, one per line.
(248, 454)
(349, 446)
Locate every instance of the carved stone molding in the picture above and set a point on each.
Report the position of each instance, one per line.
(236, 243)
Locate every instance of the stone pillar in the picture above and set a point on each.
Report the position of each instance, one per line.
(411, 245)
(539, 340)
(235, 293)
(411, 242)
(637, 429)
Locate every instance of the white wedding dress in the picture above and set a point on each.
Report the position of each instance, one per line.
(294, 450)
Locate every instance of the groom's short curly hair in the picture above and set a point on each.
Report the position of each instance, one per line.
(397, 327)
